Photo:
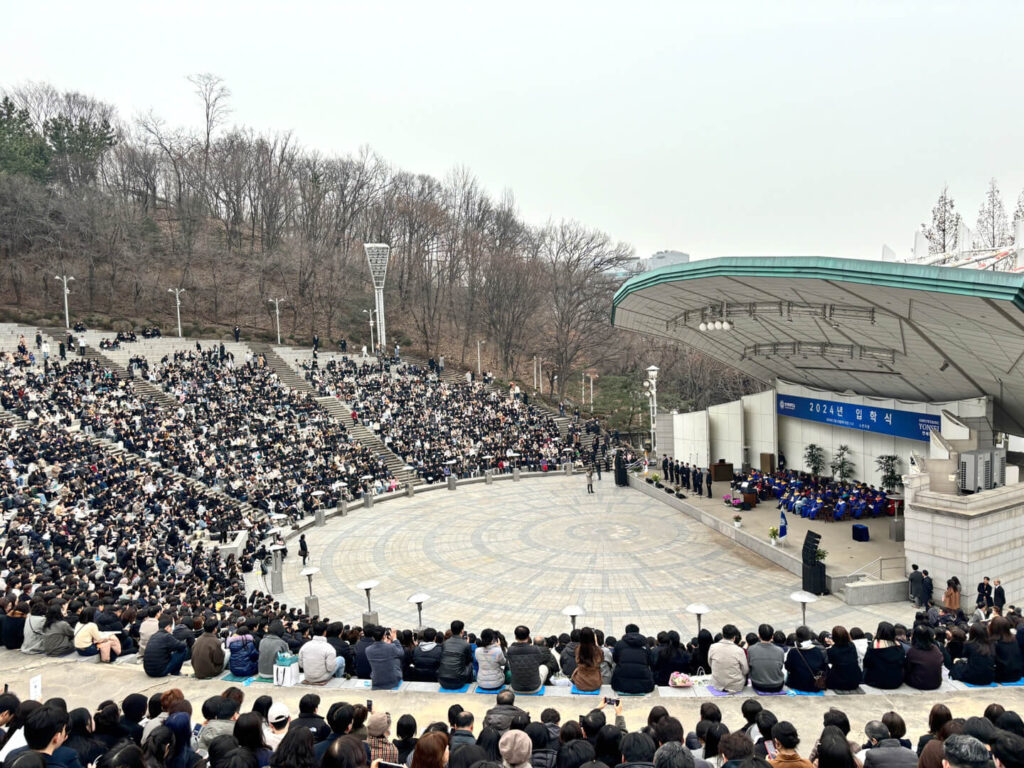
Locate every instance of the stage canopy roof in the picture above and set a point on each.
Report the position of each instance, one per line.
(879, 329)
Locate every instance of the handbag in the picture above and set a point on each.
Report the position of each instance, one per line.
(286, 659)
(820, 678)
(286, 675)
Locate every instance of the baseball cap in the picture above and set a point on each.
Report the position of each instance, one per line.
(278, 714)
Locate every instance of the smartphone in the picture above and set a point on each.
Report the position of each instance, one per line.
(612, 702)
(369, 705)
(769, 747)
(581, 719)
(383, 764)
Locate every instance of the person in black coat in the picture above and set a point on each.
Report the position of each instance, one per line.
(632, 663)
(999, 595)
(804, 662)
(844, 673)
(923, 667)
(884, 660)
(978, 665)
(1009, 663)
(984, 594)
(164, 652)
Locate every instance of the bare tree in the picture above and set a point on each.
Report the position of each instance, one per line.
(993, 228)
(943, 233)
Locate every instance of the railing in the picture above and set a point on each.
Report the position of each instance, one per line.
(883, 569)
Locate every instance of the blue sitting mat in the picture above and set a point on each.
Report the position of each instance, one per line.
(793, 692)
(620, 694)
(578, 692)
(387, 689)
(236, 679)
(489, 690)
(770, 693)
(972, 685)
(719, 692)
(535, 693)
(1015, 683)
(463, 689)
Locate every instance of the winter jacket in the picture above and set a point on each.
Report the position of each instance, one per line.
(883, 667)
(456, 666)
(978, 668)
(33, 642)
(729, 667)
(425, 660)
(802, 664)
(1008, 662)
(889, 753)
(632, 665)
(270, 646)
(843, 670)
(923, 669)
(491, 667)
(207, 656)
(500, 717)
(460, 738)
(57, 638)
(385, 664)
(158, 653)
(244, 661)
(524, 660)
(766, 666)
(317, 660)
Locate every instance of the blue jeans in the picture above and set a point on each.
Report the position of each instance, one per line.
(174, 665)
(340, 667)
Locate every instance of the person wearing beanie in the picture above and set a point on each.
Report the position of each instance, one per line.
(515, 748)
(272, 644)
(208, 653)
(377, 741)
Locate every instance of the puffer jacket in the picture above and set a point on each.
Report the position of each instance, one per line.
(456, 662)
(244, 661)
(632, 665)
(426, 657)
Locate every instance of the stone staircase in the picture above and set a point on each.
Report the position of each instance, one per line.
(284, 372)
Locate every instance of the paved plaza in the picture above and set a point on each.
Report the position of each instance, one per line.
(518, 552)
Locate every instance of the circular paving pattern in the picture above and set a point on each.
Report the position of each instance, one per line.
(509, 553)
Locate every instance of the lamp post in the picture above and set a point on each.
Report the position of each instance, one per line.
(803, 598)
(592, 377)
(478, 343)
(277, 317)
(651, 387)
(371, 313)
(419, 598)
(698, 610)
(370, 617)
(65, 279)
(312, 601)
(177, 305)
(572, 611)
(377, 257)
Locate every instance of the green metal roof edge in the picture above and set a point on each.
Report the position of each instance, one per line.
(1003, 286)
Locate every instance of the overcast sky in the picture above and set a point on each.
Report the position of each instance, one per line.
(715, 128)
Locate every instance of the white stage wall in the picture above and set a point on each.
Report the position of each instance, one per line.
(691, 432)
(726, 423)
(759, 425)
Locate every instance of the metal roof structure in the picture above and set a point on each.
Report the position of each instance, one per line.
(890, 330)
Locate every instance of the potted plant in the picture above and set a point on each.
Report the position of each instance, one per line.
(773, 536)
(814, 458)
(891, 479)
(657, 480)
(841, 465)
(737, 520)
(820, 555)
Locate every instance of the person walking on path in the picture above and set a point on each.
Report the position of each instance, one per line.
(303, 548)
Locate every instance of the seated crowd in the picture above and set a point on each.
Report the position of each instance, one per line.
(165, 731)
(438, 427)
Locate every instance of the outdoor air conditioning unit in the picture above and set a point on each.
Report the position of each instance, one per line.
(982, 470)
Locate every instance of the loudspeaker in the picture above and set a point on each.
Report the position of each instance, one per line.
(810, 550)
(814, 578)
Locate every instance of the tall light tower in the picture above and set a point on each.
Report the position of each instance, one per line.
(277, 317)
(377, 257)
(478, 343)
(371, 313)
(65, 279)
(177, 304)
(651, 385)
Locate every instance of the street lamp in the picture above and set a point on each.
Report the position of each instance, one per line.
(651, 387)
(478, 343)
(65, 279)
(419, 598)
(592, 377)
(277, 317)
(572, 611)
(377, 257)
(177, 304)
(371, 313)
(312, 602)
(803, 598)
(698, 610)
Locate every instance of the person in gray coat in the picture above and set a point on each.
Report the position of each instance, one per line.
(885, 751)
(272, 644)
(385, 655)
(456, 667)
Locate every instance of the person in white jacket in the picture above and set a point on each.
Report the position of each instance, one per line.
(729, 667)
(317, 659)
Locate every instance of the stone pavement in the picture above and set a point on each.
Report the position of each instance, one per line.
(509, 553)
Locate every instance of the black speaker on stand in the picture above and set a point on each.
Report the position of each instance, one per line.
(813, 569)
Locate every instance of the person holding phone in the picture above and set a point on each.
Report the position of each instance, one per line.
(385, 655)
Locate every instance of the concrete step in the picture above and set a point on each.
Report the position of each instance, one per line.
(342, 413)
(284, 371)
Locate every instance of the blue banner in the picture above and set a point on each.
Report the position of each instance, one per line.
(884, 421)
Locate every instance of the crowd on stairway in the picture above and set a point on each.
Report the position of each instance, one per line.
(442, 428)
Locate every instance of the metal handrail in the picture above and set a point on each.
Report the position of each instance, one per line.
(881, 563)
